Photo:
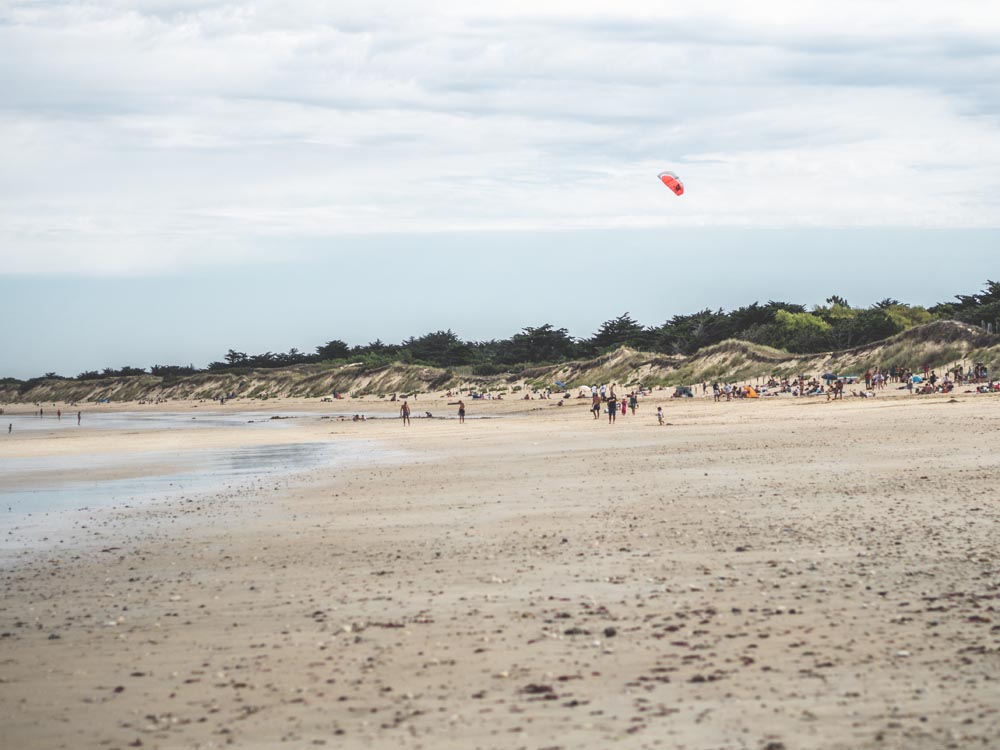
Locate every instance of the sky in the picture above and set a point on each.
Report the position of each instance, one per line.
(181, 178)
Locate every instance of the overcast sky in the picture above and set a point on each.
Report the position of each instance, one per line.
(179, 178)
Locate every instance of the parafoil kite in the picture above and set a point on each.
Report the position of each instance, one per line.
(672, 181)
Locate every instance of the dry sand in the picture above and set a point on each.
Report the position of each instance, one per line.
(760, 574)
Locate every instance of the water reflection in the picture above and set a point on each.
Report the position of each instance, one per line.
(165, 474)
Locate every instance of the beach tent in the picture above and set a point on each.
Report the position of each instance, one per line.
(561, 384)
(750, 392)
(584, 391)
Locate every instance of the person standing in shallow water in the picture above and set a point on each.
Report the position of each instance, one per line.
(404, 412)
(461, 412)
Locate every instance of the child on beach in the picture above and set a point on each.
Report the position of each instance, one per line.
(659, 414)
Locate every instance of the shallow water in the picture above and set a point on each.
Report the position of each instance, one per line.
(169, 474)
(165, 420)
(42, 499)
(125, 420)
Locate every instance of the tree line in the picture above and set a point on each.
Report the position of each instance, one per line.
(789, 326)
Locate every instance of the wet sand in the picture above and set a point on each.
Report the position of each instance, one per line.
(761, 574)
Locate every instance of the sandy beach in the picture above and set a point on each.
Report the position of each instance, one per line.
(764, 574)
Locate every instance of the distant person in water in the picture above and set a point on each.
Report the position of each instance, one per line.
(461, 412)
(404, 412)
(78, 414)
(10, 427)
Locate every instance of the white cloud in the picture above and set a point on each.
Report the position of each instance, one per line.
(139, 136)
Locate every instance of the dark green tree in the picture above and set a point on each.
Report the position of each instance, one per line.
(542, 344)
(864, 327)
(620, 331)
(335, 349)
(236, 359)
(686, 334)
(441, 348)
(973, 308)
(172, 371)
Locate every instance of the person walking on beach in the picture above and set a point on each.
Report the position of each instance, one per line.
(461, 412)
(78, 414)
(633, 402)
(612, 407)
(404, 412)
(659, 415)
(595, 404)
(10, 427)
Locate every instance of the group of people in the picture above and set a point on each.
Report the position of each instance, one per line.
(605, 398)
(878, 377)
(875, 380)
(41, 415)
(728, 391)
